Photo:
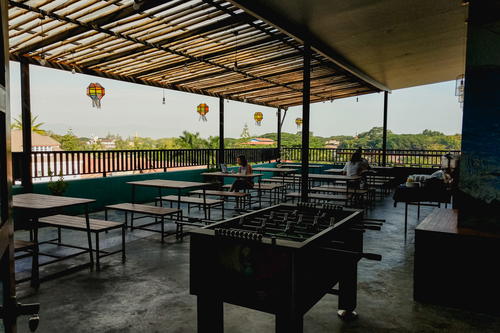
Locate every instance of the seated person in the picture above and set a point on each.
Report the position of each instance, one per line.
(356, 166)
(246, 169)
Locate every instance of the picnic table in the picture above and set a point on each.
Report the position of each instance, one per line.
(34, 206)
(238, 175)
(160, 184)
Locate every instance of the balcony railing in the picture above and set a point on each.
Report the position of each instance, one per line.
(72, 163)
(406, 157)
(104, 162)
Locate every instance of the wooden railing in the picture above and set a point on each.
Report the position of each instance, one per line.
(399, 157)
(104, 162)
(71, 163)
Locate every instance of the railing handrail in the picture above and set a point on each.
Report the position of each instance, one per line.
(82, 162)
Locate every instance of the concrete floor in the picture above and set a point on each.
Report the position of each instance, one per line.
(150, 292)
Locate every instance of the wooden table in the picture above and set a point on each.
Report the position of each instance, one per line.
(299, 166)
(35, 206)
(282, 171)
(337, 171)
(238, 175)
(170, 184)
(456, 266)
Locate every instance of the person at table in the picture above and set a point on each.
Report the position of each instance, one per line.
(356, 166)
(245, 169)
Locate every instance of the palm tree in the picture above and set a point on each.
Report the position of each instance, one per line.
(35, 127)
(190, 140)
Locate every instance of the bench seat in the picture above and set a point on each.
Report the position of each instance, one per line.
(96, 226)
(320, 196)
(144, 209)
(78, 223)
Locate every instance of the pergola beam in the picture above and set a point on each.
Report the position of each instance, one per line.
(158, 84)
(243, 18)
(117, 14)
(299, 32)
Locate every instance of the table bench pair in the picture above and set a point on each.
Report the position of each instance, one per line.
(157, 212)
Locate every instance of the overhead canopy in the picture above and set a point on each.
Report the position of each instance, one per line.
(209, 47)
(399, 43)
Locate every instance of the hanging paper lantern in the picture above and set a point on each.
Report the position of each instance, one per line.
(298, 121)
(202, 109)
(95, 91)
(258, 116)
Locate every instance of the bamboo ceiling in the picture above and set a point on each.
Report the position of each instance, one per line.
(208, 47)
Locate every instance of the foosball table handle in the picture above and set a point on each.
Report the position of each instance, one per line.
(372, 256)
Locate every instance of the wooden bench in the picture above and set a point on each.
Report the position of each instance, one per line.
(355, 195)
(320, 197)
(238, 196)
(95, 226)
(200, 202)
(159, 213)
(274, 190)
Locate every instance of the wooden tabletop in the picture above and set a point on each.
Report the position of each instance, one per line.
(444, 220)
(300, 165)
(234, 175)
(165, 183)
(37, 201)
(330, 177)
(334, 170)
(283, 170)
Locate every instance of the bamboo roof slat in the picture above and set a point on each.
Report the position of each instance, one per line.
(208, 47)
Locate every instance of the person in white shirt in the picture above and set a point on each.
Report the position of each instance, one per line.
(356, 166)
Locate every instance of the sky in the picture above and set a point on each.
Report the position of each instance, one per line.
(60, 101)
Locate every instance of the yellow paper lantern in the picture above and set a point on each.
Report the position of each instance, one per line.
(258, 116)
(298, 121)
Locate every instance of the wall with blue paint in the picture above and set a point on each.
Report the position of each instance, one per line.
(479, 186)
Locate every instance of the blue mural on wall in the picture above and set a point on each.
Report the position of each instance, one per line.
(480, 164)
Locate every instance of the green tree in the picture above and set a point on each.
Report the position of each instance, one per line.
(35, 127)
(69, 141)
(190, 140)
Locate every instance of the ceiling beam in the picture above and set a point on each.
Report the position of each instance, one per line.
(244, 17)
(266, 14)
(117, 14)
(123, 78)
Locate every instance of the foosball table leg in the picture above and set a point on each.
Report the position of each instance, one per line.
(348, 291)
(210, 315)
(289, 323)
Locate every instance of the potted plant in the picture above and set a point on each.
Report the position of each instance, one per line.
(57, 187)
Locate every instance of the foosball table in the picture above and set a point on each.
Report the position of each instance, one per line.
(281, 260)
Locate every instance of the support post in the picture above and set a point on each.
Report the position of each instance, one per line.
(305, 121)
(26, 178)
(221, 130)
(384, 133)
(278, 139)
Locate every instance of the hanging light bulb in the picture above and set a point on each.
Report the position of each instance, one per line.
(163, 90)
(73, 70)
(43, 62)
(186, 67)
(137, 4)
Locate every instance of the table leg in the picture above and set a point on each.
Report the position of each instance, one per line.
(260, 195)
(406, 218)
(205, 202)
(35, 268)
(348, 290)
(289, 323)
(159, 196)
(89, 238)
(418, 210)
(178, 198)
(133, 193)
(210, 315)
